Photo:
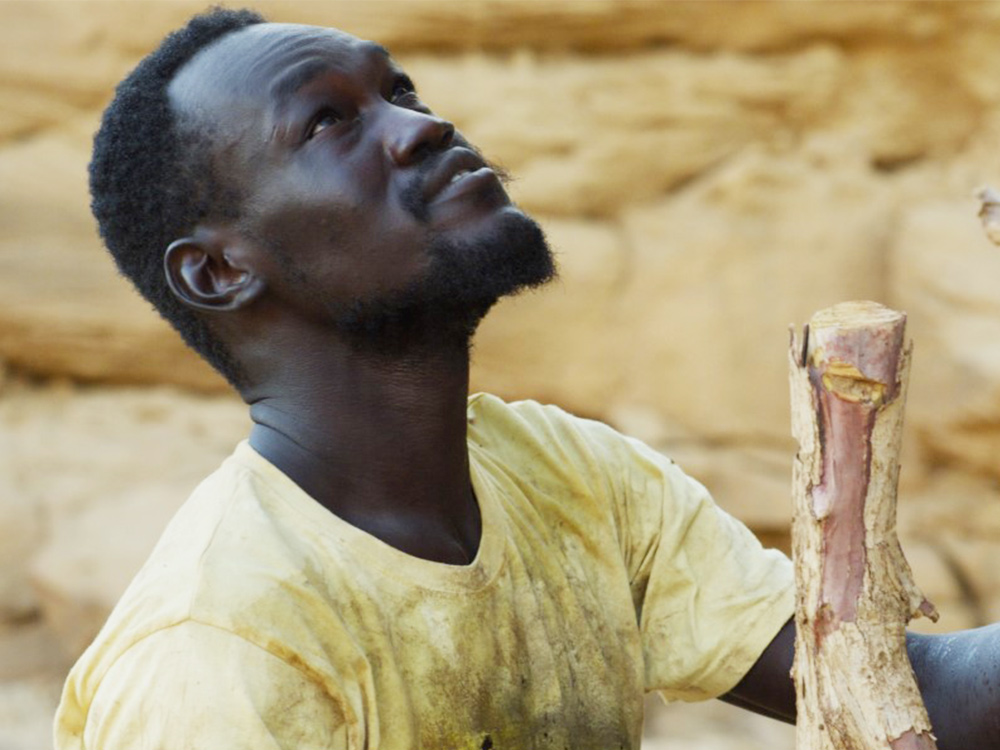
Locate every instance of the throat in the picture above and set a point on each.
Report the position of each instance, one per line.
(454, 540)
(380, 442)
(418, 499)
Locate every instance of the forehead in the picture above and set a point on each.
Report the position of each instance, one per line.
(268, 60)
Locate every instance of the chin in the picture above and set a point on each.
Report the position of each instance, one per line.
(465, 278)
(507, 255)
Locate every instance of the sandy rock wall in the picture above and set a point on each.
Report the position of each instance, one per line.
(708, 173)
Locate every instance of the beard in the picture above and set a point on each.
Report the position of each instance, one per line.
(441, 310)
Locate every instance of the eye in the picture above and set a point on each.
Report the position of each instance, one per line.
(324, 119)
(404, 93)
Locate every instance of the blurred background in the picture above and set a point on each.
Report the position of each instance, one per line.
(708, 172)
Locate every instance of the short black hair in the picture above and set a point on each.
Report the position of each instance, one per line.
(150, 183)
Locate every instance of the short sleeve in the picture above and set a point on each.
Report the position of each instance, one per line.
(196, 687)
(710, 597)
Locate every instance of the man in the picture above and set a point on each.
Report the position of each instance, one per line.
(387, 563)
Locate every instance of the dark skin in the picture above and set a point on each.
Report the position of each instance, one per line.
(377, 440)
(958, 675)
(326, 137)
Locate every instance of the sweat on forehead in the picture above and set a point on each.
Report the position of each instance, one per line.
(245, 60)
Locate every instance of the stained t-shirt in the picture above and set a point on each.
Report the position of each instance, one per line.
(262, 621)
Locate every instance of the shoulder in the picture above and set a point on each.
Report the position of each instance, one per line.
(229, 557)
(538, 427)
(528, 431)
(584, 462)
(195, 686)
(219, 537)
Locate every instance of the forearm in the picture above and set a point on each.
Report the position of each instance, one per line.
(959, 678)
(958, 675)
(767, 689)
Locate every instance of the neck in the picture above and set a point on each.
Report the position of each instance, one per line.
(379, 441)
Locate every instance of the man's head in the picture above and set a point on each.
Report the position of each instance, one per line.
(247, 164)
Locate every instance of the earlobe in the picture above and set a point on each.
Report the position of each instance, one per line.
(205, 276)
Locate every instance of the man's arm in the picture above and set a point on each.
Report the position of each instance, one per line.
(768, 688)
(958, 675)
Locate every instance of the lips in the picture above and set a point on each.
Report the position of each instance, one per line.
(456, 165)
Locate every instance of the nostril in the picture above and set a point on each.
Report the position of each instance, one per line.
(447, 133)
(438, 137)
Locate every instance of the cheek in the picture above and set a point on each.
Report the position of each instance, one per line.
(339, 227)
(304, 216)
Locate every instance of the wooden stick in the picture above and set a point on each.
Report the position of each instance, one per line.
(854, 685)
(989, 212)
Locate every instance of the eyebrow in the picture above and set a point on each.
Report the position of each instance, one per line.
(300, 75)
(303, 73)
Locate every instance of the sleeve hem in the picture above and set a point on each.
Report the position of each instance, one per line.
(739, 661)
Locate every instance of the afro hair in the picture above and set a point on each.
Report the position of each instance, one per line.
(150, 183)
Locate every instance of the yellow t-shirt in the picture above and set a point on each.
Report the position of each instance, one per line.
(262, 621)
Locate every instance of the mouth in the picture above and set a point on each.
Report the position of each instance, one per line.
(458, 171)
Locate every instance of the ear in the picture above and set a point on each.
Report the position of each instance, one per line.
(205, 274)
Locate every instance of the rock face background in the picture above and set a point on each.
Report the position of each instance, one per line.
(709, 173)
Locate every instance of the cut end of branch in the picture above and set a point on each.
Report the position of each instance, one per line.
(856, 314)
(928, 610)
(989, 212)
(855, 347)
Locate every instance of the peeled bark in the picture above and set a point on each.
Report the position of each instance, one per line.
(854, 684)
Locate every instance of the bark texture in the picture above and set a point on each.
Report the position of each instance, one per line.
(854, 684)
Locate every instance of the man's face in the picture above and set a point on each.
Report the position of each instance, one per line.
(377, 214)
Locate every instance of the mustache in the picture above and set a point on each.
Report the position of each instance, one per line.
(501, 171)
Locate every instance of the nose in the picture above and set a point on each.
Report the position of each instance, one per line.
(411, 135)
